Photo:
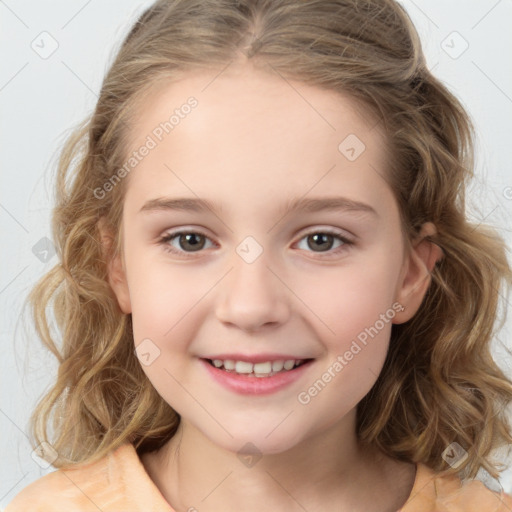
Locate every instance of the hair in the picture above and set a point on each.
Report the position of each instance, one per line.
(439, 383)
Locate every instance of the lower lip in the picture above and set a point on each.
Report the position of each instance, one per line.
(246, 385)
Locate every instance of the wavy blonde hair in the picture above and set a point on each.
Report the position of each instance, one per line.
(439, 383)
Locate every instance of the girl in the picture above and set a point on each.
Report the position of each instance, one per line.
(269, 294)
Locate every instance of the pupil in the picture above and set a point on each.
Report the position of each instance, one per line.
(323, 240)
(190, 240)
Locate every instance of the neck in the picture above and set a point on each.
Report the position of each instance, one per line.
(327, 471)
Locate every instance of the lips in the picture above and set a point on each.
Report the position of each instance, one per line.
(255, 375)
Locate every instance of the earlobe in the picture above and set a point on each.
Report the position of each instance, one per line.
(416, 278)
(115, 268)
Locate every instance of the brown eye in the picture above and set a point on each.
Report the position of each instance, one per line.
(322, 241)
(185, 242)
(191, 241)
(328, 242)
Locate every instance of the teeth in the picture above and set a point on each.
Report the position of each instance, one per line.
(265, 369)
(288, 365)
(277, 366)
(243, 367)
(229, 364)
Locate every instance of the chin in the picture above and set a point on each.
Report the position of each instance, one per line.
(258, 440)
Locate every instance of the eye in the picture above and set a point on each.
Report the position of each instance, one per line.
(320, 241)
(184, 242)
(324, 241)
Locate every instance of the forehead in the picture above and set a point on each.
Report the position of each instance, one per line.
(251, 131)
(245, 94)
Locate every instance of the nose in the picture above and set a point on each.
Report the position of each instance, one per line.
(252, 297)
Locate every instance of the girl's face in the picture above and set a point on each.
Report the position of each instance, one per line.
(290, 251)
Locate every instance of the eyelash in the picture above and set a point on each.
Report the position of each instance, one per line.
(165, 239)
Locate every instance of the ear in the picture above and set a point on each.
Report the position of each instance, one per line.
(415, 278)
(115, 268)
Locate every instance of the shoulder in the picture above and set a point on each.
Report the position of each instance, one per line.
(50, 492)
(433, 492)
(109, 484)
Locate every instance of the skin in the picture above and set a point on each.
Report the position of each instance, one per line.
(253, 143)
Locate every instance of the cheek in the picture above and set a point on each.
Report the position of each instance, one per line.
(167, 301)
(361, 318)
(160, 293)
(351, 299)
(355, 306)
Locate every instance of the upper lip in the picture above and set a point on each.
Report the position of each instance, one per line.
(255, 358)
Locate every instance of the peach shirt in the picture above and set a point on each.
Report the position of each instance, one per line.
(119, 483)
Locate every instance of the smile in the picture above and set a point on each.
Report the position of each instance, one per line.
(263, 369)
(255, 378)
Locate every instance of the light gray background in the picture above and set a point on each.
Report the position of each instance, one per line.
(42, 98)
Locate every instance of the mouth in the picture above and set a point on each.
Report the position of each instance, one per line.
(263, 369)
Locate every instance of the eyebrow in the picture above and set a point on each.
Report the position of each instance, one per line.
(307, 205)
